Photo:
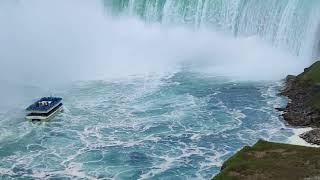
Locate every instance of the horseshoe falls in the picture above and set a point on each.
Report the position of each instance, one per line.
(153, 89)
(290, 24)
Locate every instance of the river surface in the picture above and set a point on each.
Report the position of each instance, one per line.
(179, 126)
(152, 89)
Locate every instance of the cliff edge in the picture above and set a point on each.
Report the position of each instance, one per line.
(303, 109)
(268, 160)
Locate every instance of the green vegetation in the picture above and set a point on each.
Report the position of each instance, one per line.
(311, 74)
(268, 160)
(311, 78)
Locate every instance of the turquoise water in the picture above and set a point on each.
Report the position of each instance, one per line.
(179, 126)
(149, 86)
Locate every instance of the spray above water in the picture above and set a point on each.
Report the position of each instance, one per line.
(287, 24)
(55, 41)
(143, 128)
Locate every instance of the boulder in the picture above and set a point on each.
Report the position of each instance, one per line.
(312, 136)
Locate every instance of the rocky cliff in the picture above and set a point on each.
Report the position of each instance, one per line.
(268, 160)
(303, 108)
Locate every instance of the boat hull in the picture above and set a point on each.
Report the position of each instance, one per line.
(44, 118)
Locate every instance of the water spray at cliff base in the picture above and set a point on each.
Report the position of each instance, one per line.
(143, 98)
(67, 40)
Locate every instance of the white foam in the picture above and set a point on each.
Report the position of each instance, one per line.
(40, 174)
(6, 171)
(297, 140)
(195, 136)
(75, 170)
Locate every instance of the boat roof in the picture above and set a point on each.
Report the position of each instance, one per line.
(44, 104)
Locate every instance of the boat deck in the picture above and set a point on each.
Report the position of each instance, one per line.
(44, 109)
(44, 105)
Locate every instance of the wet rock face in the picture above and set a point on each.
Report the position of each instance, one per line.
(303, 109)
(300, 111)
(312, 136)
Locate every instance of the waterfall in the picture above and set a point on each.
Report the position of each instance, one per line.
(288, 24)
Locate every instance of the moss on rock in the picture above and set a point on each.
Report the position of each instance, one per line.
(311, 74)
(304, 92)
(268, 160)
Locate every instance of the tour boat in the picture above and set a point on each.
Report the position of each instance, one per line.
(44, 109)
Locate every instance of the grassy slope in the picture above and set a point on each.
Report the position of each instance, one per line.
(311, 77)
(311, 74)
(267, 160)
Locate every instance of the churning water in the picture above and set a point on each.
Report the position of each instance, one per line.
(152, 89)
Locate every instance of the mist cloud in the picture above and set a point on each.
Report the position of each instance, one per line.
(50, 41)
